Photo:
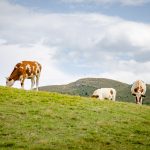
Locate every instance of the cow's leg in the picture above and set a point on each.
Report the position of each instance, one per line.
(22, 83)
(100, 97)
(32, 83)
(37, 81)
(136, 100)
(22, 78)
(140, 101)
(114, 97)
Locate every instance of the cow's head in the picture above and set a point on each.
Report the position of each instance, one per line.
(95, 96)
(138, 97)
(9, 82)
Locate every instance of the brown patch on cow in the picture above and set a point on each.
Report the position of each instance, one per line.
(37, 71)
(28, 71)
(18, 65)
(111, 92)
(94, 96)
(139, 89)
(136, 89)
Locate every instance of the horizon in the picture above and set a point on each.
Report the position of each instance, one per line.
(75, 39)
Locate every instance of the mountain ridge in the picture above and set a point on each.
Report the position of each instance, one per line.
(86, 86)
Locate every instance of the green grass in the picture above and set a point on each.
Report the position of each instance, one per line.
(42, 120)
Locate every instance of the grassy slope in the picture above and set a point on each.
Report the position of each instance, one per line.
(42, 120)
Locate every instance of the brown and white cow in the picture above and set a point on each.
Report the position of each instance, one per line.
(138, 90)
(25, 70)
(105, 93)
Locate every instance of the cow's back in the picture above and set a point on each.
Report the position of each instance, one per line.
(96, 92)
(108, 92)
(28, 69)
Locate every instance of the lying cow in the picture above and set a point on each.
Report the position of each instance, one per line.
(105, 93)
(138, 90)
(25, 70)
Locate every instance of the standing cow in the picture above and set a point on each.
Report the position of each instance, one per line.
(138, 90)
(105, 93)
(25, 70)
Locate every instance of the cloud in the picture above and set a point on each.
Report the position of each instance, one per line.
(74, 45)
(122, 2)
(12, 54)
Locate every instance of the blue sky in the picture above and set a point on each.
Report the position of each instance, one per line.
(134, 11)
(74, 39)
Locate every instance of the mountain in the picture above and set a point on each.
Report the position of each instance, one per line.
(86, 86)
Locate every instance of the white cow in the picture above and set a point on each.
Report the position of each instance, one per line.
(105, 93)
(138, 90)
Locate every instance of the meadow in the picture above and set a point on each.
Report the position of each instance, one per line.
(43, 120)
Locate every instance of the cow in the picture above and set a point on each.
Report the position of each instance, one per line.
(25, 70)
(105, 93)
(138, 90)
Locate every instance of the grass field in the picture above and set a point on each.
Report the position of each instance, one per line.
(42, 120)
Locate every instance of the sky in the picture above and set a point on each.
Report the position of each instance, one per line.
(75, 39)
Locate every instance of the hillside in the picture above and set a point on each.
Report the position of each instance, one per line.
(43, 120)
(86, 86)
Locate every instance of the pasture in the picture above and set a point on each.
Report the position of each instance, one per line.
(43, 120)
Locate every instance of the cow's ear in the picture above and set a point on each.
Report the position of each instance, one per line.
(143, 96)
(133, 94)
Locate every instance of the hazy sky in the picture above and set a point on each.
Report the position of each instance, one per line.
(74, 39)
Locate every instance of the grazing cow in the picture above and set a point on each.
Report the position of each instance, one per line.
(25, 70)
(138, 90)
(105, 93)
